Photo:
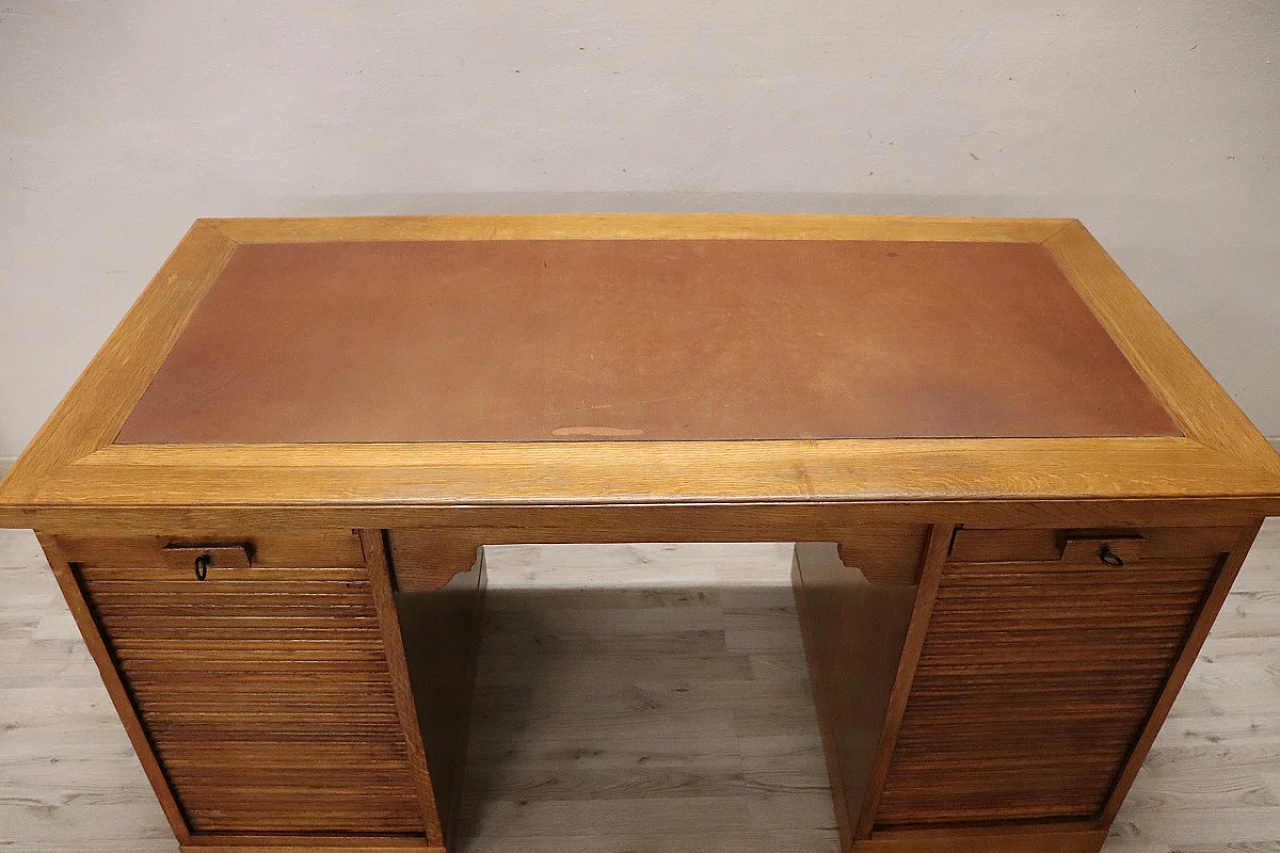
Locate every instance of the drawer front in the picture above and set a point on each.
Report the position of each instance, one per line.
(979, 545)
(264, 687)
(1037, 677)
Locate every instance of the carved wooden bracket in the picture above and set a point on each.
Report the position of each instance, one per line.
(427, 560)
(888, 556)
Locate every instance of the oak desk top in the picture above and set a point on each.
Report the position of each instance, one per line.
(435, 361)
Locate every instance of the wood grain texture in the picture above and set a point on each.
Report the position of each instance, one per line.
(1089, 841)
(854, 629)
(604, 226)
(92, 633)
(1206, 411)
(280, 670)
(80, 475)
(317, 549)
(440, 624)
(1036, 683)
(304, 844)
(917, 633)
(220, 673)
(1208, 611)
(206, 480)
(809, 521)
(101, 399)
(70, 780)
(384, 600)
(978, 545)
(889, 555)
(885, 550)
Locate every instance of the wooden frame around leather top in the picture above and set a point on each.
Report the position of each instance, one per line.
(72, 468)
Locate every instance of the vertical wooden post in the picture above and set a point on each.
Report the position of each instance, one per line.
(375, 558)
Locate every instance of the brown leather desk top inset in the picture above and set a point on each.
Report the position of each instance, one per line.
(679, 339)
(1018, 500)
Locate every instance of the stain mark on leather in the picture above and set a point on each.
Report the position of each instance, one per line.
(596, 431)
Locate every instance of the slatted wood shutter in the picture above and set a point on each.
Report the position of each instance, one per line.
(265, 691)
(1033, 685)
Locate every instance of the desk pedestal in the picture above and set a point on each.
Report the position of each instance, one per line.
(978, 689)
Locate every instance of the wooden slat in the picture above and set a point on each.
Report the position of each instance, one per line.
(222, 674)
(339, 777)
(813, 520)
(267, 605)
(626, 472)
(160, 671)
(277, 842)
(1067, 839)
(426, 804)
(917, 635)
(147, 574)
(116, 685)
(210, 711)
(225, 720)
(289, 754)
(338, 684)
(202, 633)
(643, 226)
(1034, 683)
(1213, 602)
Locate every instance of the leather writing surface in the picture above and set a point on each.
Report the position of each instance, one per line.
(641, 339)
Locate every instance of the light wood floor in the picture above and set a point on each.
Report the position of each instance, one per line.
(635, 699)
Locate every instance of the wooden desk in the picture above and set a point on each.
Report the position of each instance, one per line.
(1020, 501)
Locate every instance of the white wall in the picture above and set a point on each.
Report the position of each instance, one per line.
(1157, 124)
